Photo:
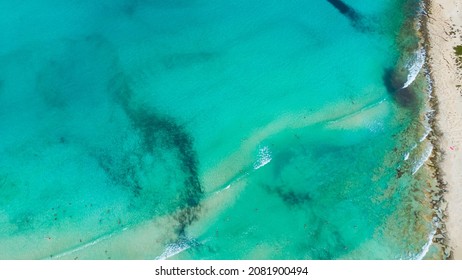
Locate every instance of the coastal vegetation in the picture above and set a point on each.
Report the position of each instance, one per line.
(458, 51)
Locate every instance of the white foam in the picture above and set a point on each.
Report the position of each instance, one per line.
(263, 158)
(88, 244)
(422, 11)
(416, 63)
(406, 156)
(369, 116)
(414, 66)
(425, 156)
(222, 190)
(428, 129)
(429, 83)
(426, 247)
(173, 249)
(426, 123)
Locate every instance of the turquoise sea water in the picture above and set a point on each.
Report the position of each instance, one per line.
(196, 129)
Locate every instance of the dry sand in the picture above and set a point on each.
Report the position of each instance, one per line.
(444, 33)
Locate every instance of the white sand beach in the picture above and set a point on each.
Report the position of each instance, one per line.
(444, 33)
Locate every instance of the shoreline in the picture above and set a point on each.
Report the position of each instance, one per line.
(442, 27)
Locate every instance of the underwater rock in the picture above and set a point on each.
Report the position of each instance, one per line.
(394, 81)
(356, 19)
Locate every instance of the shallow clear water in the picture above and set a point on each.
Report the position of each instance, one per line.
(208, 130)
